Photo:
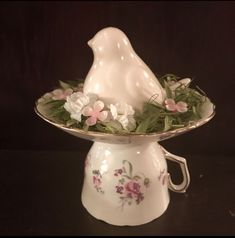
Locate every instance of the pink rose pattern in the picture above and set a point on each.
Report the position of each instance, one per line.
(97, 181)
(130, 187)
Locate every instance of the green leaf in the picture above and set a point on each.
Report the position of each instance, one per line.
(130, 167)
(178, 126)
(96, 172)
(168, 90)
(71, 122)
(148, 119)
(126, 176)
(112, 127)
(146, 182)
(168, 123)
(85, 127)
(64, 85)
(136, 177)
(148, 124)
(56, 103)
(143, 126)
(65, 116)
(73, 84)
(100, 127)
(121, 181)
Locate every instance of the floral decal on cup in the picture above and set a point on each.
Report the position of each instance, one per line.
(131, 188)
(97, 181)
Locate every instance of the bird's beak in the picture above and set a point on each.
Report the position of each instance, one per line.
(90, 42)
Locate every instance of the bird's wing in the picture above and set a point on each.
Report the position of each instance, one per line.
(143, 84)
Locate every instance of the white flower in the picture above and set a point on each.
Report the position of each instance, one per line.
(76, 102)
(45, 97)
(60, 94)
(123, 113)
(121, 109)
(183, 82)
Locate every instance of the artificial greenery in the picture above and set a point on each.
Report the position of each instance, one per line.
(154, 117)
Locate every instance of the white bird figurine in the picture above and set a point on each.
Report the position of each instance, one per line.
(118, 74)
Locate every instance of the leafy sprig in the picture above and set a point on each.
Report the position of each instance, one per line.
(154, 117)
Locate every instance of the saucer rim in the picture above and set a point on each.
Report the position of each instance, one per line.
(160, 135)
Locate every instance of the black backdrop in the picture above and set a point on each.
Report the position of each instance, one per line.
(43, 42)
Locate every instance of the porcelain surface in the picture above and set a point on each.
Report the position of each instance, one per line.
(126, 177)
(118, 74)
(125, 184)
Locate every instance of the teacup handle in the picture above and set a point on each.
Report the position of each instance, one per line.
(179, 188)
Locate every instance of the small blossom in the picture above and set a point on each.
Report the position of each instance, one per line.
(96, 181)
(95, 113)
(181, 107)
(176, 107)
(123, 113)
(183, 82)
(76, 102)
(119, 189)
(118, 172)
(60, 94)
(140, 198)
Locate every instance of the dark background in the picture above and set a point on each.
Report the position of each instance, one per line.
(41, 167)
(43, 42)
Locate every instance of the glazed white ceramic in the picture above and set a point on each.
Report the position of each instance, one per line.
(126, 178)
(118, 74)
(128, 184)
(139, 193)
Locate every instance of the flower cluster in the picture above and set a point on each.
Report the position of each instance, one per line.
(95, 111)
(131, 190)
(171, 105)
(130, 187)
(124, 114)
(97, 181)
(181, 105)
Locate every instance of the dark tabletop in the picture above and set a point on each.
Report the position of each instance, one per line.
(41, 195)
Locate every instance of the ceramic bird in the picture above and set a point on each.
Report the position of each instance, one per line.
(118, 74)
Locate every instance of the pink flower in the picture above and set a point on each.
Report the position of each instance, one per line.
(119, 189)
(95, 113)
(60, 94)
(117, 172)
(96, 181)
(176, 107)
(132, 188)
